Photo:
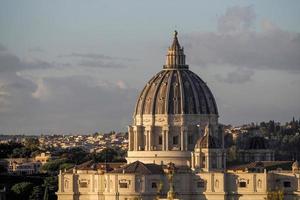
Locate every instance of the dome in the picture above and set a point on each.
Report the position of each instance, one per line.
(176, 89)
(207, 141)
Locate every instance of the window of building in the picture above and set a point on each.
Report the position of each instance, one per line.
(190, 139)
(153, 185)
(83, 183)
(175, 140)
(123, 185)
(286, 184)
(160, 140)
(214, 158)
(243, 184)
(200, 184)
(202, 164)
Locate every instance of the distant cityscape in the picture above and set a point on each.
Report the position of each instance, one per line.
(44, 155)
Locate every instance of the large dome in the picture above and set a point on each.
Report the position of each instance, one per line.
(176, 89)
(170, 113)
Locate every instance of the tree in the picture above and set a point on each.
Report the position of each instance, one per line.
(108, 155)
(51, 186)
(22, 190)
(54, 165)
(37, 193)
(77, 155)
(32, 143)
(3, 169)
(7, 149)
(275, 195)
(66, 166)
(22, 152)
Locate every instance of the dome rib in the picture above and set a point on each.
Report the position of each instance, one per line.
(201, 93)
(168, 91)
(196, 102)
(154, 103)
(140, 108)
(182, 95)
(210, 100)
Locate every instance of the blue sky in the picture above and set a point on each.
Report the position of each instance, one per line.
(62, 62)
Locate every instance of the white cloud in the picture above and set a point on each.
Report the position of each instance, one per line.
(41, 92)
(237, 76)
(121, 84)
(270, 48)
(237, 19)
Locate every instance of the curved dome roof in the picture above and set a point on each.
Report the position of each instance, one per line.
(176, 89)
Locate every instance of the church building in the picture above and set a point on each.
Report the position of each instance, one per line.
(176, 150)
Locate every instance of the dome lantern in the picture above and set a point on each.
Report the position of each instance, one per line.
(175, 57)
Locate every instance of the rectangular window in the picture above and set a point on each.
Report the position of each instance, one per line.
(175, 140)
(123, 185)
(160, 140)
(190, 139)
(242, 184)
(83, 184)
(154, 185)
(286, 184)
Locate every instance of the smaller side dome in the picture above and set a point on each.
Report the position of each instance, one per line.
(207, 141)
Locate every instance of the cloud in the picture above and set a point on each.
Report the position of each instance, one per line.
(237, 19)
(121, 84)
(12, 63)
(95, 56)
(88, 55)
(2, 47)
(41, 91)
(237, 45)
(60, 97)
(97, 60)
(36, 49)
(100, 64)
(73, 105)
(238, 76)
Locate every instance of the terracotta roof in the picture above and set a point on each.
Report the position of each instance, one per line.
(269, 165)
(91, 165)
(138, 167)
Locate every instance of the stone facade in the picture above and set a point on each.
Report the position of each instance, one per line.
(176, 121)
(96, 185)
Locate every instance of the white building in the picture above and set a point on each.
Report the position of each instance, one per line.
(176, 122)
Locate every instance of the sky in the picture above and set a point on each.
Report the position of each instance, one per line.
(75, 66)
